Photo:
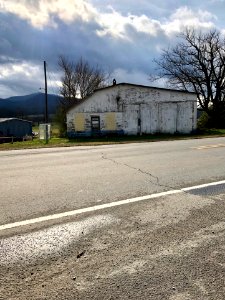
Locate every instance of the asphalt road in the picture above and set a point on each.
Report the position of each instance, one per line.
(42, 182)
(167, 247)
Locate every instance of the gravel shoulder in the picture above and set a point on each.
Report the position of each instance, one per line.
(168, 248)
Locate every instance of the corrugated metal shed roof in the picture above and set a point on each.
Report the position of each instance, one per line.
(2, 120)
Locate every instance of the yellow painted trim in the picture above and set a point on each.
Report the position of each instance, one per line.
(110, 121)
(79, 122)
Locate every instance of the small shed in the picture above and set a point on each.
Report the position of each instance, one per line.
(15, 127)
(132, 109)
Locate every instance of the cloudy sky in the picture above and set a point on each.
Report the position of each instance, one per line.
(121, 36)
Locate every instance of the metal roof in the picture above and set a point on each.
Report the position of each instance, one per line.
(128, 84)
(144, 86)
(2, 120)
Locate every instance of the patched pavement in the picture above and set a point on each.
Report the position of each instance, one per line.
(172, 247)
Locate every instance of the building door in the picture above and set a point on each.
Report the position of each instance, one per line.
(168, 117)
(95, 123)
(131, 121)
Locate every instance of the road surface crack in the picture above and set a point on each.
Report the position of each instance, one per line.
(153, 179)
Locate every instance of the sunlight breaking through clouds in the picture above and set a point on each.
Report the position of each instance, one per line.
(30, 76)
(23, 68)
(43, 13)
(185, 17)
(123, 36)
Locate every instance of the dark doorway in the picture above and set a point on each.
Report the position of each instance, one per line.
(95, 123)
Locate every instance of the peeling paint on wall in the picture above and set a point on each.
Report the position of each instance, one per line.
(134, 109)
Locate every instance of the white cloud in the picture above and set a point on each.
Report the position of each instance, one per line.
(118, 25)
(115, 24)
(138, 77)
(14, 68)
(41, 13)
(134, 76)
(186, 17)
(17, 76)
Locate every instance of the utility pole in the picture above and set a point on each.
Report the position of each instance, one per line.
(46, 95)
(46, 106)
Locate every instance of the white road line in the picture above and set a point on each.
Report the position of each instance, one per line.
(208, 147)
(103, 206)
(88, 209)
(203, 185)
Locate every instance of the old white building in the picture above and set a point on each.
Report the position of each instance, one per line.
(133, 109)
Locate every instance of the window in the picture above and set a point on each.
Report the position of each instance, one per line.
(95, 123)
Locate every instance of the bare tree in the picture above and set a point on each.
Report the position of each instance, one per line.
(68, 90)
(79, 80)
(197, 63)
(88, 78)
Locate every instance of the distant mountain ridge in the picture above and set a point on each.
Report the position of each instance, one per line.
(33, 104)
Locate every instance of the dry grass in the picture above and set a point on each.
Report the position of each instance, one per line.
(65, 142)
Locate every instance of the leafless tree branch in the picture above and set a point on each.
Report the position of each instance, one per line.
(197, 63)
(79, 80)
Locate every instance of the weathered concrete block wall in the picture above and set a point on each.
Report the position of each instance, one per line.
(81, 122)
(136, 110)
